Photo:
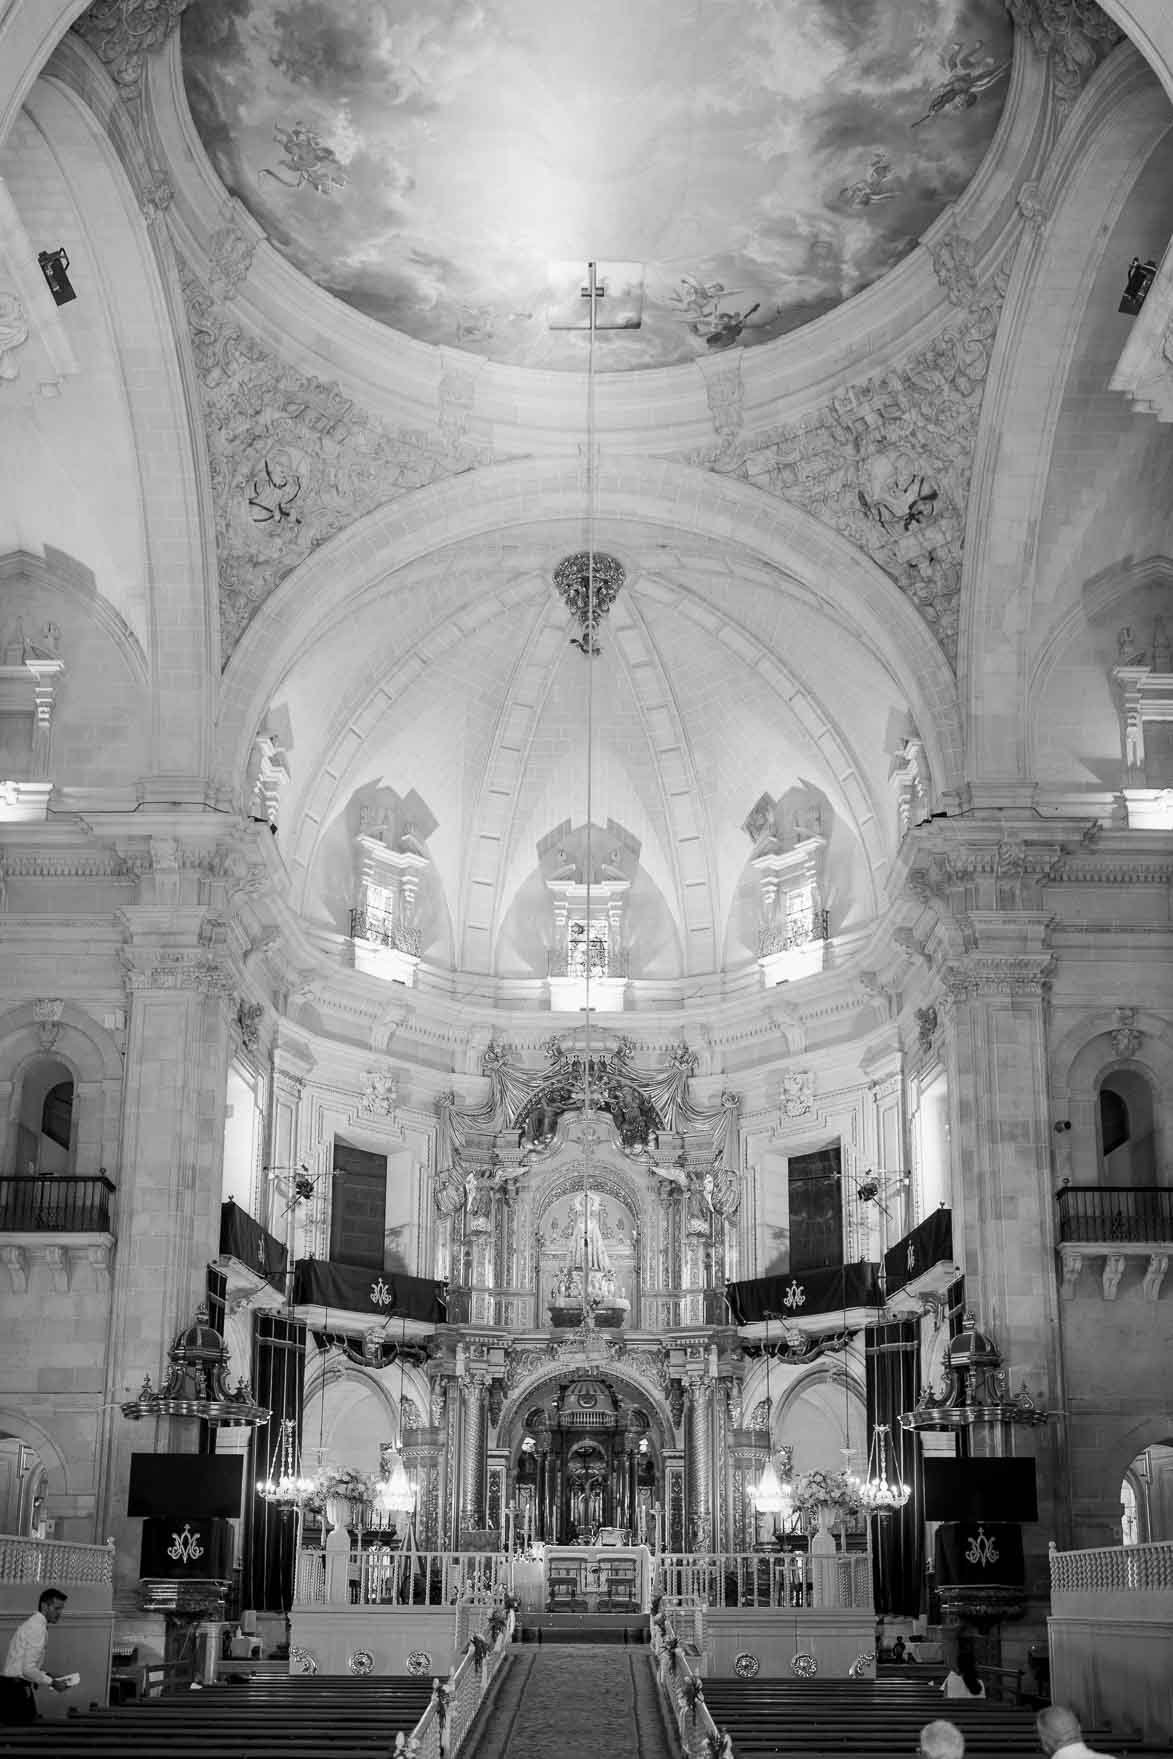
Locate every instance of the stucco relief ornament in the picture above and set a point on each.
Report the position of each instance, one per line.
(1126, 1035)
(230, 257)
(47, 1013)
(380, 1094)
(797, 1096)
(123, 32)
(14, 333)
(1074, 34)
(887, 461)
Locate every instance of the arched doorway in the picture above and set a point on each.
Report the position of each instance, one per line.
(24, 1482)
(1146, 1496)
(585, 1455)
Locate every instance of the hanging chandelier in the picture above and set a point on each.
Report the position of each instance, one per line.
(770, 1496)
(878, 1493)
(395, 1492)
(286, 1487)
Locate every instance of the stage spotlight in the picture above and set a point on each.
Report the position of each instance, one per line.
(54, 264)
(1140, 279)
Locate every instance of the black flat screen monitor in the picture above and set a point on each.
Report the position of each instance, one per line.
(980, 1490)
(206, 1485)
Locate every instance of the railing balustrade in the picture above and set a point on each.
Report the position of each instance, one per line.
(441, 1730)
(384, 931)
(785, 937)
(1127, 1214)
(381, 1575)
(683, 1689)
(59, 1203)
(765, 1579)
(1113, 1569)
(54, 1561)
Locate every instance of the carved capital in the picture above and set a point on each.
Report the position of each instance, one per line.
(978, 975)
(176, 968)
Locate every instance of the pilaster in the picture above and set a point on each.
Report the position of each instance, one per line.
(180, 993)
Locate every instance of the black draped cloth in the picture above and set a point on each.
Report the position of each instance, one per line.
(987, 1554)
(797, 1295)
(249, 1243)
(270, 1540)
(892, 1354)
(930, 1242)
(355, 1288)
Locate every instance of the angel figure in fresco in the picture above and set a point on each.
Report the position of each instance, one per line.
(968, 73)
(308, 159)
(877, 186)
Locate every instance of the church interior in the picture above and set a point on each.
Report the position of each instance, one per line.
(586, 835)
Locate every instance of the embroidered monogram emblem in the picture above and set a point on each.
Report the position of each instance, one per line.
(981, 1550)
(185, 1547)
(381, 1295)
(795, 1295)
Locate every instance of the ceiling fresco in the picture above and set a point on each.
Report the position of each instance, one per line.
(737, 167)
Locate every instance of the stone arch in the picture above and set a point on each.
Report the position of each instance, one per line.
(75, 110)
(54, 1460)
(1117, 1448)
(1079, 1062)
(91, 1054)
(544, 1381)
(1115, 126)
(653, 492)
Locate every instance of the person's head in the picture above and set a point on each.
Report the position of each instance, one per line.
(1057, 1727)
(52, 1605)
(941, 1740)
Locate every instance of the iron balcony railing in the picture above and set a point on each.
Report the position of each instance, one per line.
(384, 931)
(1129, 1214)
(785, 937)
(61, 1204)
(559, 964)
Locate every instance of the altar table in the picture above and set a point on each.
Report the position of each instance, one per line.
(590, 1578)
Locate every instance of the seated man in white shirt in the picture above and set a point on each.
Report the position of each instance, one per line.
(1060, 1734)
(24, 1668)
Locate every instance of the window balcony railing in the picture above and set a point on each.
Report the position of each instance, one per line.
(384, 931)
(55, 1204)
(1115, 1215)
(786, 937)
(614, 964)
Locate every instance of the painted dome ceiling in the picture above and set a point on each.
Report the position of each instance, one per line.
(736, 168)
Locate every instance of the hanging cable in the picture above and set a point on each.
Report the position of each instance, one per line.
(592, 294)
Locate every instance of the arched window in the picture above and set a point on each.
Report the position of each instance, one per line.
(1126, 1118)
(45, 1123)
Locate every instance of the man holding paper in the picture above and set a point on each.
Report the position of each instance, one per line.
(24, 1667)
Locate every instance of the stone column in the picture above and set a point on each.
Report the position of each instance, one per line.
(472, 1449)
(700, 1465)
(168, 1202)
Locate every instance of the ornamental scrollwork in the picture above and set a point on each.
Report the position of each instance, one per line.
(122, 33)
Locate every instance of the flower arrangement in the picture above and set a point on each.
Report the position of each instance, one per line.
(811, 1491)
(691, 1694)
(671, 1645)
(347, 1484)
(479, 1646)
(498, 1619)
(719, 1745)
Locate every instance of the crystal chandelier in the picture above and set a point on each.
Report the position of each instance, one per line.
(771, 1496)
(395, 1494)
(879, 1494)
(285, 1487)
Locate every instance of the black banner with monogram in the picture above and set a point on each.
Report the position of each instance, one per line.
(979, 1553)
(929, 1243)
(197, 1548)
(809, 1291)
(353, 1288)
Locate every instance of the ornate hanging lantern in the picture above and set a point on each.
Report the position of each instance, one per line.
(879, 1494)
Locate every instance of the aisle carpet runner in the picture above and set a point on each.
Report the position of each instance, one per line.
(575, 1702)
